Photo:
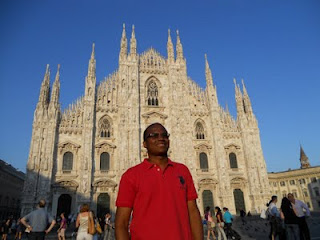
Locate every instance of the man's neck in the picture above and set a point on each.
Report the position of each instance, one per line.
(161, 161)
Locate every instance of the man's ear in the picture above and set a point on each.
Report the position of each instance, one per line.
(144, 144)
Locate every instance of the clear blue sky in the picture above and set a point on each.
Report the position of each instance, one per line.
(273, 45)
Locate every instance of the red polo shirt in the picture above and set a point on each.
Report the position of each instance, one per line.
(158, 199)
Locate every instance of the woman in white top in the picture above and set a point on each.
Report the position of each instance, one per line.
(82, 223)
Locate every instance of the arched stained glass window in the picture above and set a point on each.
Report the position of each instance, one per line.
(67, 161)
(233, 160)
(203, 161)
(199, 131)
(104, 161)
(105, 128)
(152, 94)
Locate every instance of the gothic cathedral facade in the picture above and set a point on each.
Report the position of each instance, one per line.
(78, 155)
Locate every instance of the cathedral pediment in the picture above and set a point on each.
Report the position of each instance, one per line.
(104, 183)
(238, 180)
(208, 181)
(68, 144)
(202, 146)
(105, 144)
(232, 146)
(66, 184)
(154, 114)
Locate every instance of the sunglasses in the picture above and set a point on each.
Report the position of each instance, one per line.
(157, 135)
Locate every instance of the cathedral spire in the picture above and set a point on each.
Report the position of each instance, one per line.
(133, 43)
(93, 52)
(56, 89)
(239, 99)
(179, 48)
(246, 99)
(123, 45)
(45, 88)
(92, 64)
(209, 78)
(304, 161)
(170, 49)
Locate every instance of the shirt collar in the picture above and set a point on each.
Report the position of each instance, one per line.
(148, 165)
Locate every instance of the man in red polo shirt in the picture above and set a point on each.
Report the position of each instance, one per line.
(160, 195)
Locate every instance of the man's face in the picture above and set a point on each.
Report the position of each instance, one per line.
(157, 142)
(291, 197)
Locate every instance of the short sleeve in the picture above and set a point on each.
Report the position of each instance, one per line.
(50, 218)
(27, 217)
(127, 191)
(191, 191)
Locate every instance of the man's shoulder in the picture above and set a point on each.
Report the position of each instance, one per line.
(272, 205)
(133, 170)
(180, 166)
(299, 201)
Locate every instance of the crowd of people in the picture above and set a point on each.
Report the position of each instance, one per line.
(11, 227)
(288, 222)
(219, 224)
(37, 224)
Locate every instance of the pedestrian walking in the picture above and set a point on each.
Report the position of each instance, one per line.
(243, 215)
(82, 223)
(302, 212)
(20, 230)
(108, 227)
(63, 227)
(227, 217)
(210, 223)
(5, 229)
(37, 221)
(220, 224)
(13, 227)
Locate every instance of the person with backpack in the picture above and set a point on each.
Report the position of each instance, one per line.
(274, 219)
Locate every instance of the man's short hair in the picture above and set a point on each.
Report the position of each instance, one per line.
(42, 203)
(150, 126)
(290, 194)
(225, 208)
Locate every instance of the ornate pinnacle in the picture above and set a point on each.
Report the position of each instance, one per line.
(93, 52)
(179, 47)
(123, 44)
(58, 73)
(123, 31)
(208, 72)
(170, 50)
(133, 33)
(244, 88)
(133, 42)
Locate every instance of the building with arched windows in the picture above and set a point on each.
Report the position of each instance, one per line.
(78, 155)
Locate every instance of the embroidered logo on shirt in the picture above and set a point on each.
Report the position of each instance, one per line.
(182, 181)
